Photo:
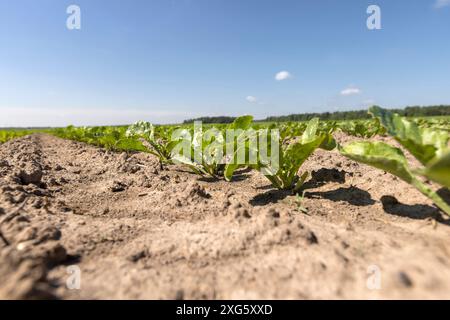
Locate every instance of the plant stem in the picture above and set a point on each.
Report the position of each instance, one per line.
(424, 189)
(274, 181)
(301, 181)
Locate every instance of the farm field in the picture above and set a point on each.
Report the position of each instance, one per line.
(111, 201)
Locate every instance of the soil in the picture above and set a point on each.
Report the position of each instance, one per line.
(138, 232)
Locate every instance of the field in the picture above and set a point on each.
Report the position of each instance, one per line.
(357, 210)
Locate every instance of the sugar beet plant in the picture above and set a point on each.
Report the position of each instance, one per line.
(161, 146)
(205, 152)
(428, 146)
(110, 138)
(361, 128)
(6, 135)
(283, 168)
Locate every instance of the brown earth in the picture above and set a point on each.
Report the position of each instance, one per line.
(137, 232)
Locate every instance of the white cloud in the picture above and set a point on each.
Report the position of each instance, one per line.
(282, 75)
(251, 99)
(441, 4)
(350, 91)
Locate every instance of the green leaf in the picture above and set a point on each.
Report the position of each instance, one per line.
(310, 131)
(301, 181)
(282, 170)
(297, 153)
(181, 159)
(439, 139)
(424, 144)
(229, 170)
(328, 143)
(242, 123)
(379, 155)
(438, 170)
(233, 164)
(141, 128)
(241, 141)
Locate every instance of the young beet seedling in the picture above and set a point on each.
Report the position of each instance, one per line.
(428, 146)
(160, 147)
(207, 150)
(291, 155)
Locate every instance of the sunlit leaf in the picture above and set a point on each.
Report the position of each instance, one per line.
(379, 155)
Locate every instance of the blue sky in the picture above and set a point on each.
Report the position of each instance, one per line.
(168, 60)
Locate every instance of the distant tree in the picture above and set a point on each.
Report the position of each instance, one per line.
(410, 111)
(222, 119)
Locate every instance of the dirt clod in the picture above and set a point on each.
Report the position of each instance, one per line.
(404, 279)
(118, 186)
(30, 175)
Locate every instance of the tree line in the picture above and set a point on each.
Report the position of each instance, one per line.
(410, 111)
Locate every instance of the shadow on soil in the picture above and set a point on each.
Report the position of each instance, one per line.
(352, 195)
(271, 196)
(318, 178)
(445, 194)
(418, 211)
(239, 175)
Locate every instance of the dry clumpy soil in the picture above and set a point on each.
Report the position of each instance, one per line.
(138, 232)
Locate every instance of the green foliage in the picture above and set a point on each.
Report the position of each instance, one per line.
(283, 172)
(424, 143)
(6, 135)
(438, 170)
(110, 138)
(430, 147)
(208, 149)
(379, 155)
(361, 128)
(161, 145)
